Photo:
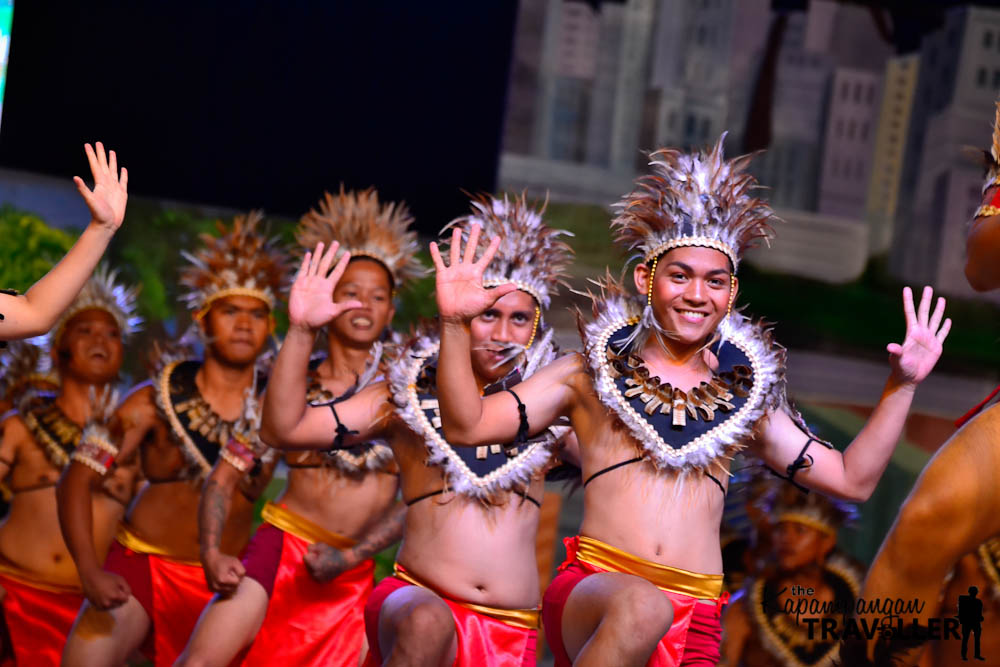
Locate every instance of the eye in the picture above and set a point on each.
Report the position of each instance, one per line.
(678, 276)
(489, 315)
(716, 282)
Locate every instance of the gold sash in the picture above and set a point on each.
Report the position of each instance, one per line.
(664, 577)
(290, 522)
(519, 618)
(130, 540)
(12, 571)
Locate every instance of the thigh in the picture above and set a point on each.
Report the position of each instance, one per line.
(227, 625)
(600, 596)
(406, 603)
(106, 637)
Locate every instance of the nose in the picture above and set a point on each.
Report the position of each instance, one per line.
(695, 292)
(501, 331)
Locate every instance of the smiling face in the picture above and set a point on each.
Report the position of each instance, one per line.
(691, 291)
(237, 328)
(367, 281)
(510, 320)
(90, 348)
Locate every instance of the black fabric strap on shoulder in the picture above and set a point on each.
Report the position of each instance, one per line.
(341, 431)
(424, 497)
(522, 413)
(610, 468)
(803, 460)
(714, 479)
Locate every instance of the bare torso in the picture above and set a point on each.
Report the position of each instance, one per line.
(484, 555)
(662, 517)
(30, 537)
(165, 513)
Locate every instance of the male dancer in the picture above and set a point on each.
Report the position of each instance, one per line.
(41, 588)
(308, 570)
(35, 312)
(152, 588)
(668, 388)
(951, 513)
(759, 631)
(465, 587)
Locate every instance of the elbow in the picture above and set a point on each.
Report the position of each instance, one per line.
(856, 493)
(458, 436)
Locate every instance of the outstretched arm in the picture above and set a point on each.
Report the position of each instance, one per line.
(288, 421)
(35, 312)
(467, 418)
(854, 474)
(326, 562)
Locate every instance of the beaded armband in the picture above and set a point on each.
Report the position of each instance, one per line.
(95, 449)
(240, 454)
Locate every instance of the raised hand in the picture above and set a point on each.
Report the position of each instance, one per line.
(107, 200)
(311, 304)
(913, 360)
(460, 291)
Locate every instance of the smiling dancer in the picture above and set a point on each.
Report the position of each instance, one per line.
(670, 385)
(41, 585)
(465, 586)
(309, 569)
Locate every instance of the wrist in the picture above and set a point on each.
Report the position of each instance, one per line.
(210, 554)
(101, 230)
(902, 386)
(454, 324)
(301, 330)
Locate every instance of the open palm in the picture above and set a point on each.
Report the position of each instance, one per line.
(459, 285)
(108, 198)
(311, 303)
(913, 360)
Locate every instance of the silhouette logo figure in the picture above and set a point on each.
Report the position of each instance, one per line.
(970, 615)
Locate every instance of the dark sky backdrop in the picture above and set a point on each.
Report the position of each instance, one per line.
(245, 103)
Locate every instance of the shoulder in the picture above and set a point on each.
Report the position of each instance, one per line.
(14, 428)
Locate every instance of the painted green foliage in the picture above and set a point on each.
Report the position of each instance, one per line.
(29, 249)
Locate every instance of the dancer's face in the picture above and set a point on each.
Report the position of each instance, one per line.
(510, 320)
(367, 281)
(91, 349)
(797, 545)
(237, 328)
(690, 288)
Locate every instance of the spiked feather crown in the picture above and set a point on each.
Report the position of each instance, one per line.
(697, 199)
(25, 366)
(992, 158)
(102, 292)
(240, 261)
(531, 254)
(785, 502)
(365, 228)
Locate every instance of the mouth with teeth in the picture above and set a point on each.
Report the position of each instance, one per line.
(693, 316)
(361, 322)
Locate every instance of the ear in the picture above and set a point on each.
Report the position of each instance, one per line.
(392, 314)
(640, 274)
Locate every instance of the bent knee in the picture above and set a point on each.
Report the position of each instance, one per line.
(641, 606)
(425, 619)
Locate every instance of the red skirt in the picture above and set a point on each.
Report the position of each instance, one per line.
(39, 620)
(172, 593)
(694, 636)
(483, 641)
(307, 623)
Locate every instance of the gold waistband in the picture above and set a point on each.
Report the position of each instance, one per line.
(12, 571)
(290, 522)
(664, 577)
(131, 541)
(520, 618)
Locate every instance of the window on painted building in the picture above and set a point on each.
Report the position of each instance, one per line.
(672, 120)
(981, 77)
(857, 92)
(851, 127)
(705, 128)
(871, 94)
(689, 126)
(845, 90)
(996, 78)
(987, 39)
(864, 131)
(835, 167)
(838, 128)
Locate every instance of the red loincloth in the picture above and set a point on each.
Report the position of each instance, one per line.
(307, 623)
(696, 632)
(39, 617)
(483, 639)
(173, 593)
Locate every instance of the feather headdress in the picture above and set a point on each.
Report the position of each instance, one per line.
(785, 502)
(365, 228)
(240, 261)
(692, 199)
(101, 292)
(531, 254)
(992, 159)
(25, 369)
